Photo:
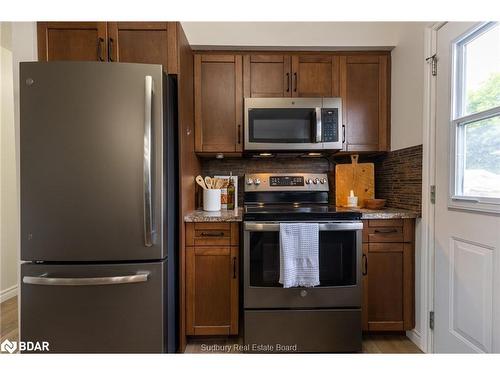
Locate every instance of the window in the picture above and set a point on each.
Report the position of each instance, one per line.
(476, 120)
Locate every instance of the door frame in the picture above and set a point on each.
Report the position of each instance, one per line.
(428, 180)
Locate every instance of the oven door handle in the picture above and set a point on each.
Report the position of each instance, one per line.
(331, 226)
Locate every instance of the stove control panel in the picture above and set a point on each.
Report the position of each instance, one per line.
(286, 182)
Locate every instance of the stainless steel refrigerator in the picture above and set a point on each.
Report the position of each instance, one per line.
(99, 207)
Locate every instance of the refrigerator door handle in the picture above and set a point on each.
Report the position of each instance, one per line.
(82, 281)
(148, 204)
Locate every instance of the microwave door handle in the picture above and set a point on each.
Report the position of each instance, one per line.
(318, 125)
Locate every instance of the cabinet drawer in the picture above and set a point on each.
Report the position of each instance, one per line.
(211, 234)
(385, 234)
(216, 235)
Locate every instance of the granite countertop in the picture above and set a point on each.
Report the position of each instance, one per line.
(385, 213)
(200, 216)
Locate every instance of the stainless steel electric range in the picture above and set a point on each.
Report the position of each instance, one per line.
(326, 318)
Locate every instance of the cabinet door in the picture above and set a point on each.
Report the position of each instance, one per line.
(388, 303)
(212, 290)
(315, 76)
(78, 41)
(140, 42)
(218, 103)
(385, 286)
(267, 76)
(364, 86)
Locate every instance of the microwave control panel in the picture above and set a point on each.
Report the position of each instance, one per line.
(330, 124)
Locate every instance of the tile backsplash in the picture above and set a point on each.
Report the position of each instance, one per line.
(398, 174)
(398, 178)
(241, 166)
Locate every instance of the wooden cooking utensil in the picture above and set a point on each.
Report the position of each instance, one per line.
(219, 182)
(201, 182)
(209, 182)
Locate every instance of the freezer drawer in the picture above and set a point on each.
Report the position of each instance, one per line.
(97, 308)
(316, 331)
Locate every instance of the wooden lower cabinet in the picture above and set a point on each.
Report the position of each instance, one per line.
(388, 275)
(212, 279)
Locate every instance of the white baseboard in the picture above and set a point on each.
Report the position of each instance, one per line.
(8, 293)
(416, 338)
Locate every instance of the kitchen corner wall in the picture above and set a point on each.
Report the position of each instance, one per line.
(398, 178)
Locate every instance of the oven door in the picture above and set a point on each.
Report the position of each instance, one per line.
(283, 124)
(339, 263)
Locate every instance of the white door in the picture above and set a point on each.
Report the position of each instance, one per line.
(467, 221)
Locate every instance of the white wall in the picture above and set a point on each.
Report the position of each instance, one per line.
(292, 34)
(407, 86)
(18, 42)
(8, 173)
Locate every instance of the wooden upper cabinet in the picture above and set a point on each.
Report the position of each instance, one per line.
(142, 42)
(80, 41)
(136, 42)
(267, 76)
(364, 86)
(218, 97)
(291, 75)
(315, 76)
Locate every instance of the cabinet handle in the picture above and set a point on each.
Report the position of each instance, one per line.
(364, 271)
(100, 41)
(288, 82)
(110, 49)
(239, 133)
(295, 78)
(234, 267)
(392, 230)
(212, 234)
(343, 133)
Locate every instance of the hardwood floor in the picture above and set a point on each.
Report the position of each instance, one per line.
(371, 343)
(8, 320)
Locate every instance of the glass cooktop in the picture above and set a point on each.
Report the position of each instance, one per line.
(290, 212)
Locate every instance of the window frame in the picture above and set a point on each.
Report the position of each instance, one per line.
(458, 121)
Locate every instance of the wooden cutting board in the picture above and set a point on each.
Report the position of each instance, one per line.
(359, 177)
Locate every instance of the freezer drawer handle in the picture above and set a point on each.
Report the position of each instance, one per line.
(81, 281)
(148, 204)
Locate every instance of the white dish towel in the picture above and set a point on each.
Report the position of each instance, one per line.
(299, 254)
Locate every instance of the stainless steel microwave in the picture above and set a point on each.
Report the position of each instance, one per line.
(293, 124)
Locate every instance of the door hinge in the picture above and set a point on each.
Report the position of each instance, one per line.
(431, 319)
(433, 194)
(433, 61)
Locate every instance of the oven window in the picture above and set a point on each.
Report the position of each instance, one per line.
(281, 125)
(337, 259)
